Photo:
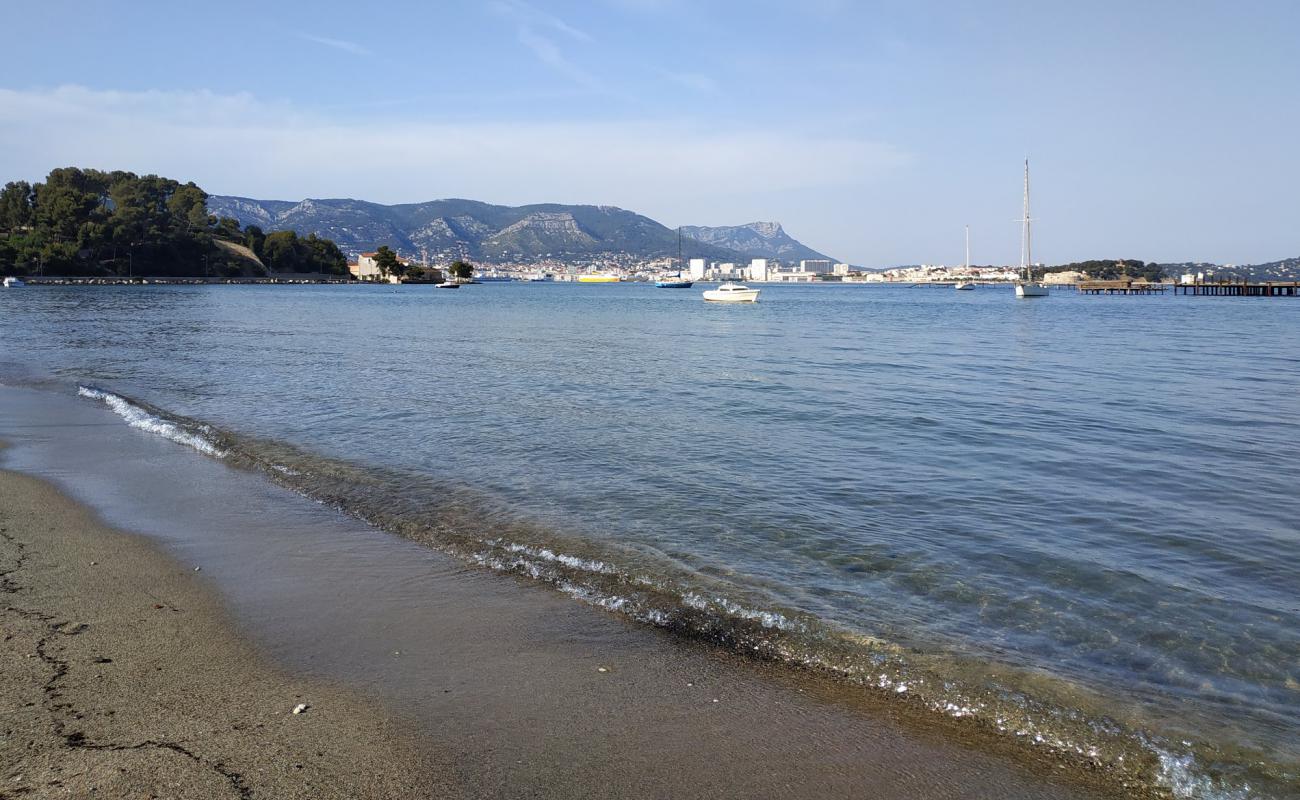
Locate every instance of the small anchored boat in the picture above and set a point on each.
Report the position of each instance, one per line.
(674, 283)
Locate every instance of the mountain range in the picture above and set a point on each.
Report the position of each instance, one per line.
(493, 233)
(762, 239)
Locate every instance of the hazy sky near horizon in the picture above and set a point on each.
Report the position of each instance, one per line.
(1161, 129)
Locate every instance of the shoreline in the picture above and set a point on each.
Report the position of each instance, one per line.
(541, 692)
(164, 280)
(122, 675)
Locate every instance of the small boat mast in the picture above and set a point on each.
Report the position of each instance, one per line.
(1025, 286)
(1026, 246)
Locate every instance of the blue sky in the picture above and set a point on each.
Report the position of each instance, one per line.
(874, 131)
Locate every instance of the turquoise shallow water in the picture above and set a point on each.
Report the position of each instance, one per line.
(1074, 518)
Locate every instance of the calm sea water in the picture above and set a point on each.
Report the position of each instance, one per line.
(1074, 519)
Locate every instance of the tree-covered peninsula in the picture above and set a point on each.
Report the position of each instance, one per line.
(85, 222)
(1115, 269)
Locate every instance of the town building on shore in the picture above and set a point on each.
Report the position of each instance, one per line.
(1064, 278)
(366, 268)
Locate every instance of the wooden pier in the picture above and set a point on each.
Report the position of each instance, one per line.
(1239, 289)
(1121, 287)
(1197, 289)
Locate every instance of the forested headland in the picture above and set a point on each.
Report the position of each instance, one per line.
(86, 222)
(1114, 269)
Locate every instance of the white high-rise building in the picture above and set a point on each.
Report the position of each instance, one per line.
(757, 270)
(697, 269)
(819, 266)
(840, 269)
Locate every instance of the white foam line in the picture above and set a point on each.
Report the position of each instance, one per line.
(560, 558)
(137, 417)
(768, 619)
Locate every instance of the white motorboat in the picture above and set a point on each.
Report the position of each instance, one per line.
(1027, 286)
(965, 286)
(732, 293)
(13, 283)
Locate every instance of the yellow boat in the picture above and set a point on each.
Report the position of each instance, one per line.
(598, 278)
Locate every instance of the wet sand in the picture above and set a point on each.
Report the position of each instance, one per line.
(120, 677)
(512, 689)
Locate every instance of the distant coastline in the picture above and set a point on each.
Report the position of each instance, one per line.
(162, 280)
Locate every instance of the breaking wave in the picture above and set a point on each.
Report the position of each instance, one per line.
(137, 416)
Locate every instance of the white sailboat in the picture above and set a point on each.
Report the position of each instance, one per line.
(1027, 286)
(966, 284)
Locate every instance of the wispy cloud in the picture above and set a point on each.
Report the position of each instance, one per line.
(535, 30)
(239, 144)
(338, 44)
(550, 54)
(532, 16)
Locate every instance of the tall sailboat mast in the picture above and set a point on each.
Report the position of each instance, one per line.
(1025, 287)
(679, 251)
(1026, 248)
(967, 248)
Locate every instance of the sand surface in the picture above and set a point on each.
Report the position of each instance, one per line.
(120, 677)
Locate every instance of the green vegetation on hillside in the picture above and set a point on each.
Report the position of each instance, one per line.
(1114, 269)
(115, 224)
(285, 251)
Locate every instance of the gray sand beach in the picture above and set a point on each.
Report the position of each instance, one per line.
(122, 678)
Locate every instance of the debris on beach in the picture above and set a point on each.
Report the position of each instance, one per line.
(301, 707)
(602, 669)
